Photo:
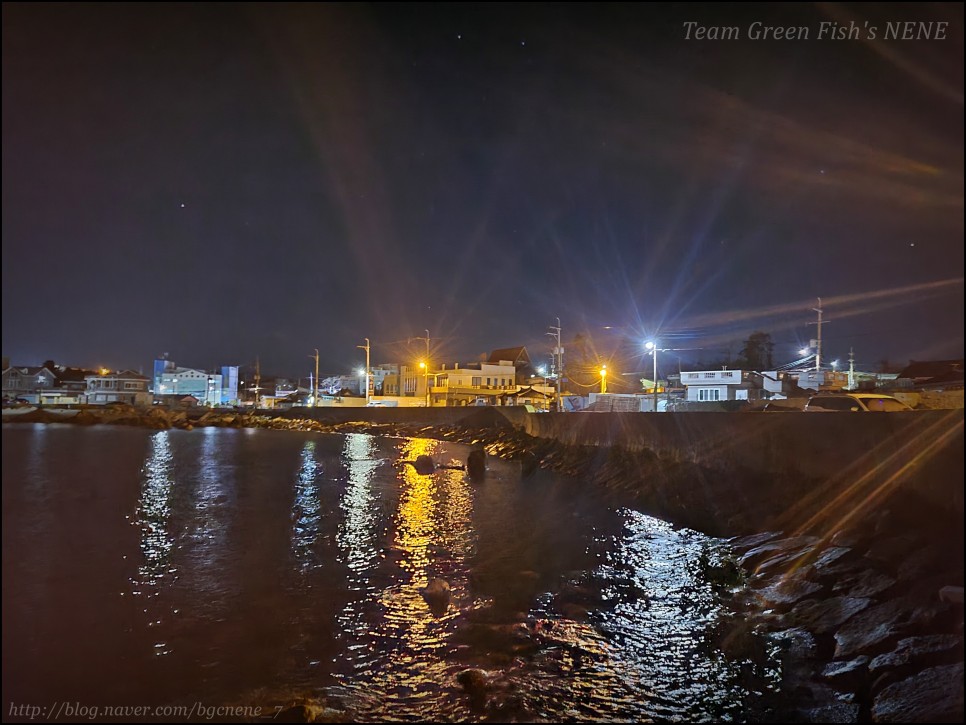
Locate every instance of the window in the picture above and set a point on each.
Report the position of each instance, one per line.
(477, 382)
(709, 394)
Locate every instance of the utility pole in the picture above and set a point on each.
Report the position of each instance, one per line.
(818, 342)
(558, 352)
(258, 380)
(851, 369)
(315, 390)
(366, 348)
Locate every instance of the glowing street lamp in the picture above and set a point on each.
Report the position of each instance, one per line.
(603, 379)
(652, 346)
(422, 366)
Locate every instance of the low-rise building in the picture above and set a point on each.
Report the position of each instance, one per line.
(710, 386)
(25, 382)
(488, 384)
(123, 386)
(210, 388)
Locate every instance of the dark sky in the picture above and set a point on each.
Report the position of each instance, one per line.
(223, 181)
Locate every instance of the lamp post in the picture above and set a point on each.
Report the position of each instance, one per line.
(315, 391)
(366, 348)
(603, 379)
(652, 346)
(422, 365)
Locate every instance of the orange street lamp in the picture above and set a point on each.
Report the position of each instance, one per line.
(422, 366)
(603, 379)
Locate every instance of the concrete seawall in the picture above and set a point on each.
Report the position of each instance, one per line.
(748, 470)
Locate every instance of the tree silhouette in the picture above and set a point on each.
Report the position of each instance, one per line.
(757, 352)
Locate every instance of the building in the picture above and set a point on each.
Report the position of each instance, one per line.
(209, 388)
(937, 375)
(378, 375)
(488, 384)
(709, 386)
(519, 358)
(229, 385)
(27, 383)
(124, 386)
(335, 384)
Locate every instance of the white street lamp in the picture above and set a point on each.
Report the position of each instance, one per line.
(652, 346)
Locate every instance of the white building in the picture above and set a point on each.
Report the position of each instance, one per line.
(708, 386)
(206, 387)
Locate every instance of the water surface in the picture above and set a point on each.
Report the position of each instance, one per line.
(229, 566)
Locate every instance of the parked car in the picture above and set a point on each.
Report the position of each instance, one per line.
(855, 403)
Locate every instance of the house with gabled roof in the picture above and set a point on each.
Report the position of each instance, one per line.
(122, 386)
(27, 382)
(519, 358)
(932, 375)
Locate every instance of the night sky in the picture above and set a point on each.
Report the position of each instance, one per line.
(222, 182)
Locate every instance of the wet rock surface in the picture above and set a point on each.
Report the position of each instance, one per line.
(861, 641)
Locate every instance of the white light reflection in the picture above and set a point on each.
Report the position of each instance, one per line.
(306, 510)
(209, 548)
(357, 533)
(154, 512)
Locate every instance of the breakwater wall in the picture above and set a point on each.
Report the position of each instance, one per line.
(732, 473)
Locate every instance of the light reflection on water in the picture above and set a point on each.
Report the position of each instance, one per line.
(278, 566)
(153, 514)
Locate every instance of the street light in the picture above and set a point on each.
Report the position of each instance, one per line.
(652, 346)
(603, 379)
(422, 365)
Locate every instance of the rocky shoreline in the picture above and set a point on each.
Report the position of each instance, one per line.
(867, 616)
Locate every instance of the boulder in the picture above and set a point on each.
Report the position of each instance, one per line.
(476, 464)
(876, 629)
(788, 591)
(918, 651)
(847, 674)
(825, 615)
(864, 583)
(934, 695)
(777, 552)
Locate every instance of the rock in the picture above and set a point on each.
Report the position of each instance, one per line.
(797, 644)
(917, 651)
(876, 629)
(840, 712)
(296, 713)
(437, 588)
(934, 695)
(847, 674)
(920, 563)
(424, 465)
(953, 595)
(474, 682)
(890, 551)
(865, 583)
(775, 553)
(744, 543)
(789, 590)
(824, 616)
(476, 464)
(528, 464)
(827, 558)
